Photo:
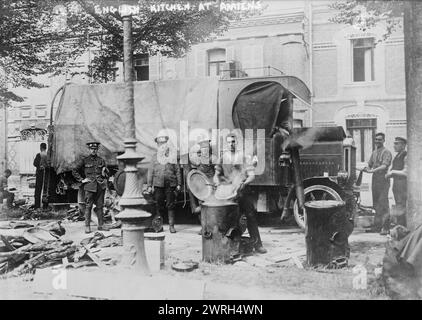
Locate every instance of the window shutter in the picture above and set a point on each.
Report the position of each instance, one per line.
(154, 67)
(169, 68)
(230, 54)
(200, 56)
(258, 60)
(247, 60)
(252, 60)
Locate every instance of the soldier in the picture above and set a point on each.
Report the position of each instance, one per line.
(232, 168)
(203, 160)
(94, 184)
(4, 190)
(41, 163)
(378, 165)
(398, 172)
(166, 179)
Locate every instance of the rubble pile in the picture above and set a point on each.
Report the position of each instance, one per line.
(39, 255)
(101, 241)
(74, 215)
(26, 246)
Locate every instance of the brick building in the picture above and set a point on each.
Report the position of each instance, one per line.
(356, 81)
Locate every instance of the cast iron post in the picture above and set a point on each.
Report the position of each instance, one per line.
(133, 216)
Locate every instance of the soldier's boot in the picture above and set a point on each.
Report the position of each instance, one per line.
(171, 221)
(255, 236)
(100, 216)
(88, 219)
(200, 222)
(81, 213)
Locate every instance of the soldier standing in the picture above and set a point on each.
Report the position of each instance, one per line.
(41, 163)
(378, 165)
(203, 160)
(233, 167)
(398, 172)
(4, 190)
(166, 179)
(94, 184)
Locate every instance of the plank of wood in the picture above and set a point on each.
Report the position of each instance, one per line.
(9, 246)
(94, 257)
(297, 262)
(17, 251)
(288, 255)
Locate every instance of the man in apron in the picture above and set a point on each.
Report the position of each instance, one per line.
(378, 165)
(233, 167)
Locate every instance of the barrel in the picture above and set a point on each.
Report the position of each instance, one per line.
(220, 232)
(326, 238)
(154, 250)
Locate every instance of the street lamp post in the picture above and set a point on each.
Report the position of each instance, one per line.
(133, 216)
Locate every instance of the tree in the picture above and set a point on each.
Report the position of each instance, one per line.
(41, 37)
(367, 14)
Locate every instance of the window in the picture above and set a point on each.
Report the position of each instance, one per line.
(297, 123)
(110, 71)
(363, 133)
(363, 59)
(216, 61)
(141, 63)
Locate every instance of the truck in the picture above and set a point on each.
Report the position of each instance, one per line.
(295, 164)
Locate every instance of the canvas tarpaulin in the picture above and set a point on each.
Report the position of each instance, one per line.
(259, 107)
(93, 113)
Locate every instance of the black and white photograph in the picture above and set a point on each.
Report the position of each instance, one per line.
(211, 156)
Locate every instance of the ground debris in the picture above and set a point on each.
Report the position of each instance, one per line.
(36, 247)
(101, 241)
(41, 256)
(185, 266)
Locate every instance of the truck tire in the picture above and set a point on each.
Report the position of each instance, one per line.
(314, 192)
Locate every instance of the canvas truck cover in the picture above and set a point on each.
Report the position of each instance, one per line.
(93, 113)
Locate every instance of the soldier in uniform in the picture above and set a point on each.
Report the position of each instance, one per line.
(398, 172)
(164, 180)
(378, 165)
(94, 183)
(203, 160)
(232, 168)
(41, 163)
(4, 190)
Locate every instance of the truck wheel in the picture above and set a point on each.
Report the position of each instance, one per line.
(314, 192)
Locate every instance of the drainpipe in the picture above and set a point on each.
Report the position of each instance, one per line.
(311, 53)
(6, 132)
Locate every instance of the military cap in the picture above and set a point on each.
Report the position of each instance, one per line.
(204, 143)
(400, 139)
(161, 139)
(93, 145)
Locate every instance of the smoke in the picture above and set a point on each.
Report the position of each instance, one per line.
(304, 139)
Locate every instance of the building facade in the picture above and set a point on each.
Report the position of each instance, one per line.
(356, 80)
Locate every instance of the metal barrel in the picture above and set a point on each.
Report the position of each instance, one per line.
(325, 221)
(220, 231)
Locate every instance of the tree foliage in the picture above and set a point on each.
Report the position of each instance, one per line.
(366, 14)
(42, 37)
